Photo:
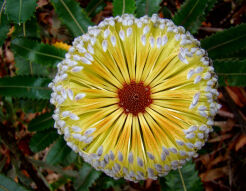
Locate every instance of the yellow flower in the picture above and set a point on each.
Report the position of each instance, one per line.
(135, 97)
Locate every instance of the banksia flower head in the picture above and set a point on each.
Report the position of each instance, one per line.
(135, 97)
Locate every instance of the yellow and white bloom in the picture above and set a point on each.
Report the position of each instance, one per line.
(135, 97)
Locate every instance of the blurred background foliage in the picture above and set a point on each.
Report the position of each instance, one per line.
(34, 157)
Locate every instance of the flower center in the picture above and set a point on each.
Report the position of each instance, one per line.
(134, 97)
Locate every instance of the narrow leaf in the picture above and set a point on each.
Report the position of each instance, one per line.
(72, 15)
(25, 86)
(7, 184)
(94, 7)
(225, 42)
(191, 179)
(3, 23)
(20, 10)
(32, 105)
(4, 29)
(26, 67)
(37, 52)
(43, 139)
(59, 152)
(231, 72)
(87, 176)
(123, 6)
(190, 11)
(41, 122)
(147, 7)
(197, 23)
(30, 29)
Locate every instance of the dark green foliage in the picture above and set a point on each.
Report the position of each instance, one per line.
(42, 122)
(20, 11)
(7, 184)
(189, 13)
(60, 153)
(147, 7)
(191, 179)
(25, 87)
(25, 67)
(123, 6)
(166, 13)
(87, 176)
(231, 72)
(197, 23)
(72, 15)
(32, 105)
(31, 28)
(226, 42)
(37, 52)
(4, 28)
(94, 7)
(43, 139)
(105, 182)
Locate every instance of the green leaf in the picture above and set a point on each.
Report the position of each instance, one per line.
(191, 179)
(190, 11)
(42, 139)
(7, 184)
(147, 7)
(41, 122)
(166, 12)
(4, 24)
(60, 153)
(225, 42)
(87, 176)
(37, 52)
(61, 181)
(72, 15)
(197, 23)
(20, 10)
(32, 105)
(25, 87)
(94, 7)
(231, 72)
(31, 28)
(25, 67)
(123, 6)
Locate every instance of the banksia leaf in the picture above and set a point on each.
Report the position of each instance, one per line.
(25, 86)
(225, 42)
(123, 6)
(37, 52)
(144, 7)
(190, 11)
(20, 11)
(72, 15)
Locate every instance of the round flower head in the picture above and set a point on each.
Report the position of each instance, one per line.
(135, 97)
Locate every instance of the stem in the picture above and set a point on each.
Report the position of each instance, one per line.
(181, 177)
